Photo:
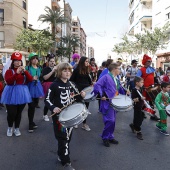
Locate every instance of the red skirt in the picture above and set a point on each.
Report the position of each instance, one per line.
(46, 86)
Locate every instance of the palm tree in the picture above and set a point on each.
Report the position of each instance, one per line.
(53, 17)
(71, 42)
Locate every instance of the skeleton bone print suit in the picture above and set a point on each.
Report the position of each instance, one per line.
(59, 95)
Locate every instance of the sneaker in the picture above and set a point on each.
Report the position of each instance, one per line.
(158, 127)
(17, 132)
(155, 118)
(68, 166)
(86, 127)
(34, 126)
(139, 136)
(59, 159)
(106, 143)
(113, 141)
(132, 127)
(9, 131)
(31, 129)
(164, 132)
(76, 126)
(45, 117)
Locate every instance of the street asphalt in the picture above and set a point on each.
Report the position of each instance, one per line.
(38, 150)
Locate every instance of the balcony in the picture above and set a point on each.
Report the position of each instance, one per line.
(143, 1)
(55, 4)
(145, 14)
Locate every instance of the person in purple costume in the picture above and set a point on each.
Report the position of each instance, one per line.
(107, 87)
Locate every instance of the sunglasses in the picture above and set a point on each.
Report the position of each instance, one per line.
(149, 61)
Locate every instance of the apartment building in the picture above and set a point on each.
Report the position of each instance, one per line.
(161, 15)
(13, 17)
(76, 25)
(140, 16)
(82, 42)
(140, 19)
(90, 52)
(146, 15)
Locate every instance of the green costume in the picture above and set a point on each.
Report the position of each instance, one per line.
(161, 101)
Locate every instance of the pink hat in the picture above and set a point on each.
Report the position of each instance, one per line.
(75, 55)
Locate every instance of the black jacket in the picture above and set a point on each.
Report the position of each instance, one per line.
(81, 80)
(59, 94)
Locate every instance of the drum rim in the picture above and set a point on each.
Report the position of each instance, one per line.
(84, 108)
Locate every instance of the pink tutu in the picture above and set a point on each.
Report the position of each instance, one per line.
(46, 86)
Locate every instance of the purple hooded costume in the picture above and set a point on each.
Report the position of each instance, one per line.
(106, 86)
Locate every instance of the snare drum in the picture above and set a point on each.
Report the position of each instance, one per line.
(168, 110)
(89, 95)
(122, 103)
(73, 115)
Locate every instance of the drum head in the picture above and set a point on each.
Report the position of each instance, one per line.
(71, 111)
(121, 101)
(168, 110)
(88, 91)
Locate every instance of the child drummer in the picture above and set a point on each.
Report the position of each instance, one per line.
(161, 101)
(107, 87)
(138, 104)
(60, 94)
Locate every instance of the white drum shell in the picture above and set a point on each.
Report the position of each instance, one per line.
(168, 110)
(89, 97)
(122, 103)
(73, 115)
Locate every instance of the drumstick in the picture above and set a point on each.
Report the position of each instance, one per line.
(127, 92)
(62, 108)
(78, 94)
(109, 98)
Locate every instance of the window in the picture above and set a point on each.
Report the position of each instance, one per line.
(24, 5)
(1, 16)
(168, 15)
(24, 23)
(1, 39)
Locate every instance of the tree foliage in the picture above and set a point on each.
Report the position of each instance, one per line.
(150, 42)
(38, 41)
(68, 45)
(53, 17)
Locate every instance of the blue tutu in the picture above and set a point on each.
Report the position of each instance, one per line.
(16, 94)
(36, 89)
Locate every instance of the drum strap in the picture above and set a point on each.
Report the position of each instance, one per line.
(74, 87)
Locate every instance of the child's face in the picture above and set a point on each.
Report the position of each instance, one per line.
(140, 83)
(166, 89)
(65, 74)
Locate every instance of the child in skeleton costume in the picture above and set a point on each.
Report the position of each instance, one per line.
(161, 101)
(107, 87)
(35, 88)
(16, 93)
(60, 94)
(81, 77)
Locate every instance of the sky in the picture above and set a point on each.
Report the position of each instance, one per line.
(104, 22)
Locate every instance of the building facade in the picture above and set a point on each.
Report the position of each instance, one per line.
(76, 25)
(13, 17)
(90, 52)
(147, 15)
(82, 42)
(161, 15)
